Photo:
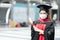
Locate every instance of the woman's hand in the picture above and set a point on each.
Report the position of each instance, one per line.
(42, 32)
(38, 30)
(35, 28)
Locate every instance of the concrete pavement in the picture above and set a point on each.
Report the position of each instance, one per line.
(22, 33)
(15, 34)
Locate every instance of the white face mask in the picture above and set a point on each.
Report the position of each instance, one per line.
(43, 16)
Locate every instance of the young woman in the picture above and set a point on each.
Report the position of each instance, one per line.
(43, 28)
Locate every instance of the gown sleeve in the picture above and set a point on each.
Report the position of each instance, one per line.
(34, 34)
(49, 31)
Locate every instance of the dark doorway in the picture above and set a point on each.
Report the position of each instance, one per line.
(54, 11)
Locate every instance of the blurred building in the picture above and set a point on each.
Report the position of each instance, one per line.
(18, 10)
(21, 10)
(56, 7)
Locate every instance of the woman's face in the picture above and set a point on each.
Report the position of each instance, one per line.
(43, 14)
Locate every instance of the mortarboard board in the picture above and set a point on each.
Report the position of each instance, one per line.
(44, 7)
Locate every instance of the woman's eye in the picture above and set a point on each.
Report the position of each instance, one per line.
(42, 13)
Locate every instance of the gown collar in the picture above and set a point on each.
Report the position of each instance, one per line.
(44, 20)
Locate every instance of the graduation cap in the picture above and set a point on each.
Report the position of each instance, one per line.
(44, 7)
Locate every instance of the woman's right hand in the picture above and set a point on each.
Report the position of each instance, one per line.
(35, 28)
(38, 30)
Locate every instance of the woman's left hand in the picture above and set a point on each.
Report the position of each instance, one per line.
(42, 32)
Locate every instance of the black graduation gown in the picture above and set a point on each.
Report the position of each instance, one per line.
(48, 33)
